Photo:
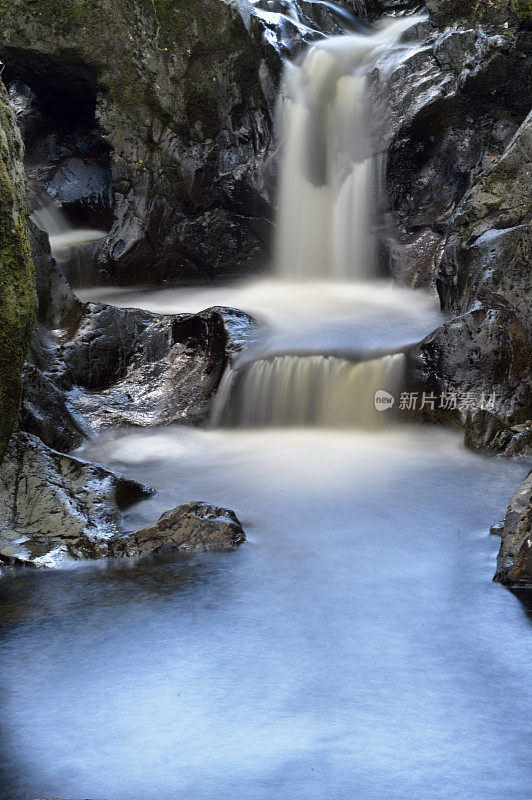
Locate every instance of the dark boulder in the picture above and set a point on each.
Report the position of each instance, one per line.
(193, 527)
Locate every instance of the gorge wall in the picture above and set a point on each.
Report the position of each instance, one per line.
(17, 283)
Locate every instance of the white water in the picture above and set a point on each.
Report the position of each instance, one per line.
(308, 316)
(328, 184)
(307, 390)
(62, 235)
(321, 301)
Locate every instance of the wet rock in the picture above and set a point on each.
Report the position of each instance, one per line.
(17, 282)
(55, 507)
(482, 359)
(484, 277)
(126, 366)
(514, 563)
(45, 412)
(177, 93)
(488, 250)
(93, 365)
(453, 110)
(192, 527)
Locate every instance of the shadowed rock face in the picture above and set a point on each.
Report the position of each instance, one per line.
(193, 527)
(488, 249)
(17, 282)
(455, 105)
(514, 563)
(178, 94)
(485, 278)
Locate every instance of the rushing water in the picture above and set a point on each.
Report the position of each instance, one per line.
(307, 390)
(328, 185)
(62, 235)
(353, 647)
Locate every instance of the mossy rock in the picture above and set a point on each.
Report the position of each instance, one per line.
(489, 12)
(17, 279)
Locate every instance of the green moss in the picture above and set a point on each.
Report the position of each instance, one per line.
(522, 9)
(17, 297)
(65, 15)
(172, 18)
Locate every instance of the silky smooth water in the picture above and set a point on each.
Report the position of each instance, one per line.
(329, 183)
(304, 317)
(354, 646)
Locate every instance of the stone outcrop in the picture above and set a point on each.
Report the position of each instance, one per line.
(454, 105)
(55, 508)
(514, 563)
(193, 527)
(107, 366)
(172, 100)
(485, 279)
(17, 284)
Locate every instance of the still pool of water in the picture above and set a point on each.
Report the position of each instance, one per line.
(353, 647)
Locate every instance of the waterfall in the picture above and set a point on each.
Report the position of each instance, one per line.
(328, 179)
(307, 390)
(49, 217)
(328, 193)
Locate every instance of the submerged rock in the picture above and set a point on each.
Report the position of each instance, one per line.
(54, 507)
(514, 563)
(193, 527)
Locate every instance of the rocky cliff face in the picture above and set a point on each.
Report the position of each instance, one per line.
(17, 289)
(179, 97)
(484, 280)
(514, 563)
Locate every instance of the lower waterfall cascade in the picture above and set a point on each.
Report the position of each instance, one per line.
(307, 390)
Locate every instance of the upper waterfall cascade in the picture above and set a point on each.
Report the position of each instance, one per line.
(329, 179)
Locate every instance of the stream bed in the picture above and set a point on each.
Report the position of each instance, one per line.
(354, 646)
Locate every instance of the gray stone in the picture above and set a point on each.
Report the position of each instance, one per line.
(55, 508)
(193, 527)
(514, 563)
